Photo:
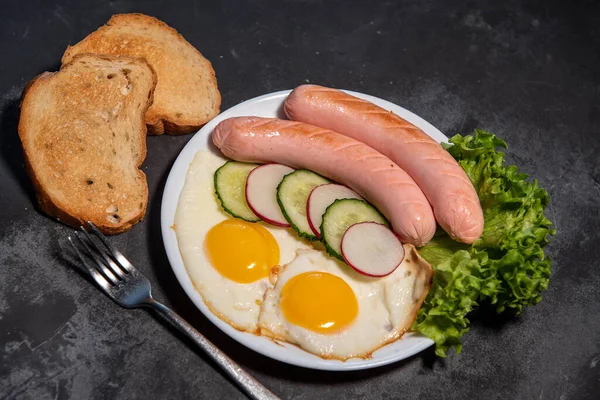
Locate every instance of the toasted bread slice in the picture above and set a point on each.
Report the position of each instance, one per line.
(84, 138)
(186, 95)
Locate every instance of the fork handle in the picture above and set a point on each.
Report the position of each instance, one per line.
(251, 386)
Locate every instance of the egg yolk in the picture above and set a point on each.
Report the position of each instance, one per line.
(319, 301)
(241, 251)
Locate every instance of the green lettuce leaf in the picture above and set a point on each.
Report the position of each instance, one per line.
(506, 266)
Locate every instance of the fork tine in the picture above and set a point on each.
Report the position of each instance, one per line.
(99, 263)
(111, 264)
(100, 280)
(123, 262)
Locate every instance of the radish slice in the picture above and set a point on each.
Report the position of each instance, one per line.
(322, 197)
(372, 249)
(261, 192)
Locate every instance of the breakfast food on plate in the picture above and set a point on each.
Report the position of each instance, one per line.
(286, 193)
(447, 187)
(330, 310)
(228, 260)
(186, 95)
(240, 226)
(265, 280)
(368, 288)
(84, 138)
(337, 157)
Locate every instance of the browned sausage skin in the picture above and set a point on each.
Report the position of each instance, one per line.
(447, 187)
(335, 156)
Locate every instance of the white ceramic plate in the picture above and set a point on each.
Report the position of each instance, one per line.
(270, 105)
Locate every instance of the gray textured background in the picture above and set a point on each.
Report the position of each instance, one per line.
(527, 71)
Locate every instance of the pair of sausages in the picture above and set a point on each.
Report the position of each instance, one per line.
(393, 164)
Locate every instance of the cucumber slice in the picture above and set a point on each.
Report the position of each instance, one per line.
(230, 187)
(292, 196)
(322, 197)
(340, 216)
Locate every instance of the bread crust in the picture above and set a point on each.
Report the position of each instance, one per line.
(64, 212)
(160, 118)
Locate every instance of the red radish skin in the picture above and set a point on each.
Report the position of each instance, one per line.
(340, 158)
(446, 185)
(346, 194)
(357, 237)
(272, 213)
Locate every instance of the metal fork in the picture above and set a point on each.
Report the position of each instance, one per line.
(120, 281)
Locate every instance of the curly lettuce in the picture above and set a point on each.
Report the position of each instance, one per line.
(506, 266)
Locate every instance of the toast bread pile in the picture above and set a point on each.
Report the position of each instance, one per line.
(83, 129)
(186, 95)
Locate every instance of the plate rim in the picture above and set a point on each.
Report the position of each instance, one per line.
(170, 197)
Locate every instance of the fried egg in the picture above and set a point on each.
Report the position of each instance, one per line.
(228, 260)
(328, 309)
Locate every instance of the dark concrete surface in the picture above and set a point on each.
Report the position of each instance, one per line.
(527, 71)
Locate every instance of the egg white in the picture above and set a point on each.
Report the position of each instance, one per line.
(386, 306)
(198, 210)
